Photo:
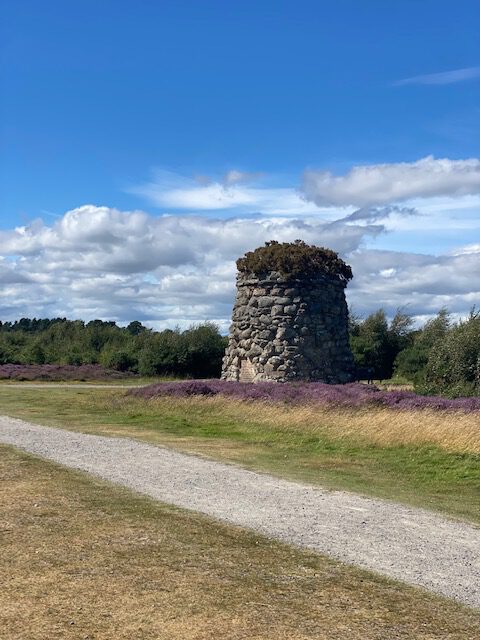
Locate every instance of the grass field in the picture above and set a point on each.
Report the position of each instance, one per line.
(424, 458)
(85, 560)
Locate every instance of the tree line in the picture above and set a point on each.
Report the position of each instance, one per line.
(196, 352)
(442, 357)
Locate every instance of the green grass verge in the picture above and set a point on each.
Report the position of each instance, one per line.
(426, 476)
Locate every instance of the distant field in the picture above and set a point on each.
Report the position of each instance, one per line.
(60, 373)
(71, 374)
(422, 457)
(82, 559)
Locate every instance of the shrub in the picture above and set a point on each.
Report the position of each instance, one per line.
(120, 360)
(347, 395)
(294, 259)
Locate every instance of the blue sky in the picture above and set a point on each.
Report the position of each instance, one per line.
(284, 113)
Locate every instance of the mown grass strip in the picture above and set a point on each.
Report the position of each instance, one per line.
(83, 559)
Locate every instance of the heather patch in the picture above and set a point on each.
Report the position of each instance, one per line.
(59, 372)
(347, 395)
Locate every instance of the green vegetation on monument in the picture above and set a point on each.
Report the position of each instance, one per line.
(292, 259)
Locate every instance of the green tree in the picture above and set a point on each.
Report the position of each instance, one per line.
(135, 328)
(195, 352)
(121, 360)
(163, 354)
(453, 366)
(369, 342)
(34, 354)
(375, 343)
(410, 362)
(7, 353)
(205, 349)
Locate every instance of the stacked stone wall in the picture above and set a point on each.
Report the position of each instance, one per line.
(289, 329)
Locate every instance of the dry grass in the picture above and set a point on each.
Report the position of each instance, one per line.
(84, 560)
(451, 431)
(381, 426)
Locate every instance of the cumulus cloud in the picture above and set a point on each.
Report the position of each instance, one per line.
(9, 273)
(99, 262)
(102, 262)
(422, 283)
(444, 77)
(373, 185)
(467, 250)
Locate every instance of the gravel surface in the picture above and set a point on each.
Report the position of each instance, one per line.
(413, 545)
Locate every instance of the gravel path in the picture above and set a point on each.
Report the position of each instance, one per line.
(401, 542)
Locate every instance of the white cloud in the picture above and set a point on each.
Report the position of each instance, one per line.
(375, 214)
(421, 283)
(371, 185)
(100, 262)
(170, 191)
(467, 250)
(442, 78)
(235, 177)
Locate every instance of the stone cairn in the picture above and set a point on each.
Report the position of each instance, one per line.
(290, 318)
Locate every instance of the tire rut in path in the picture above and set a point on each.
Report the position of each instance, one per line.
(409, 544)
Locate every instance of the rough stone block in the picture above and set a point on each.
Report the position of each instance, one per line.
(277, 310)
(284, 333)
(275, 362)
(266, 301)
(266, 334)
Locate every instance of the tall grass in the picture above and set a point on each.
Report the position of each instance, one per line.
(352, 412)
(383, 426)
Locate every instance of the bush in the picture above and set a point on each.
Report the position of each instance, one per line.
(294, 259)
(119, 360)
(297, 393)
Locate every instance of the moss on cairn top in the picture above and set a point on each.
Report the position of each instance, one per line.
(294, 260)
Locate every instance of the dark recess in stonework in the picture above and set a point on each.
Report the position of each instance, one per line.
(290, 318)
